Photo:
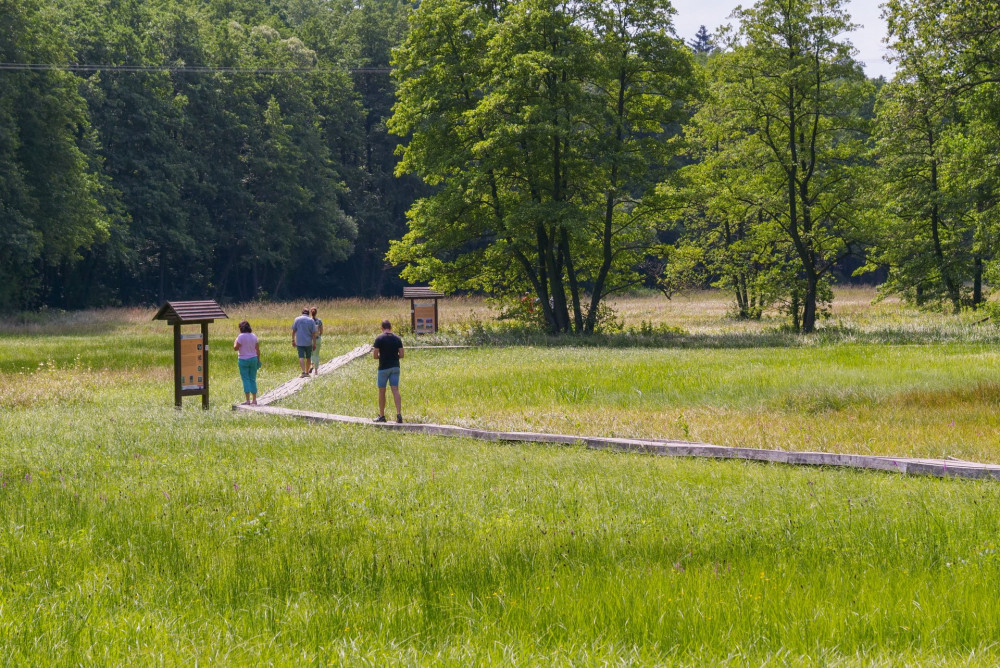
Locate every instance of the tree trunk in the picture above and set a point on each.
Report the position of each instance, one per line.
(809, 304)
(794, 310)
(543, 280)
(949, 284)
(279, 284)
(557, 292)
(742, 303)
(574, 289)
(977, 282)
(607, 255)
(800, 244)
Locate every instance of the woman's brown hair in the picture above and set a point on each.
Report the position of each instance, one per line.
(245, 327)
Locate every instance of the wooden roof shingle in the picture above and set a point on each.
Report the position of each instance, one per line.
(421, 292)
(205, 310)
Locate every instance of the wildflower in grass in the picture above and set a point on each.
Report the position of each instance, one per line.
(27, 478)
(236, 487)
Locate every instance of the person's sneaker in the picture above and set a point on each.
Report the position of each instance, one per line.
(380, 418)
(399, 418)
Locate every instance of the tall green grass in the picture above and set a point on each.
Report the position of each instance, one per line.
(189, 537)
(926, 400)
(134, 533)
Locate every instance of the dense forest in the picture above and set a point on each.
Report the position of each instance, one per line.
(227, 148)
(544, 152)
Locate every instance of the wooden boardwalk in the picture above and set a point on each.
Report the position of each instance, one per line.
(942, 468)
(296, 384)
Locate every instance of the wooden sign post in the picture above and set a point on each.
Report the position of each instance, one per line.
(191, 349)
(423, 309)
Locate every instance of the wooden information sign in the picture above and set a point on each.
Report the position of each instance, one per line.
(424, 317)
(192, 362)
(423, 309)
(190, 349)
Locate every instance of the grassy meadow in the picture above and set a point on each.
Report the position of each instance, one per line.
(852, 398)
(135, 533)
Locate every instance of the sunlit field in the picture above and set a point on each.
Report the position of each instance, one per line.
(852, 398)
(135, 533)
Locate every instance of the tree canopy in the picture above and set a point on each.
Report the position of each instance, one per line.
(246, 177)
(543, 127)
(544, 152)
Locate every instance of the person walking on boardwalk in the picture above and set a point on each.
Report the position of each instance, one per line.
(247, 348)
(304, 339)
(319, 340)
(388, 350)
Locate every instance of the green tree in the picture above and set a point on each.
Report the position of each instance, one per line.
(281, 216)
(790, 92)
(924, 224)
(362, 36)
(941, 127)
(720, 204)
(230, 179)
(52, 202)
(140, 122)
(540, 124)
(703, 42)
(955, 41)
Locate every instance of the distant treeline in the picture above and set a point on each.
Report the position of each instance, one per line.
(578, 149)
(266, 172)
(550, 153)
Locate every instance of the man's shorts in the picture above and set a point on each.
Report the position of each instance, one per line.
(305, 351)
(388, 377)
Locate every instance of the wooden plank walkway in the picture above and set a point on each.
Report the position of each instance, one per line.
(296, 384)
(942, 468)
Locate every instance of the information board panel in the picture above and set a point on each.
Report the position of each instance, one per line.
(192, 362)
(424, 322)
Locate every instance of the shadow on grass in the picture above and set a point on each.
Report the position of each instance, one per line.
(672, 337)
(56, 322)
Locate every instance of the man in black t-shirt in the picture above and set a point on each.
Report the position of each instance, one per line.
(388, 350)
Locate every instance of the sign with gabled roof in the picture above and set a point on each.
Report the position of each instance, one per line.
(190, 350)
(193, 312)
(423, 308)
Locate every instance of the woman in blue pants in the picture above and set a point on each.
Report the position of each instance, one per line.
(248, 350)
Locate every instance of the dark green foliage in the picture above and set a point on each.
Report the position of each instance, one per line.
(939, 133)
(542, 145)
(703, 42)
(50, 196)
(365, 37)
(120, 186)
(543, 127)
(782, 145)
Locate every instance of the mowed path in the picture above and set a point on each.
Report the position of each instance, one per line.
(934, 467)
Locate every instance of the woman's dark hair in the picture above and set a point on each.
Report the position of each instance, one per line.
(245, 327)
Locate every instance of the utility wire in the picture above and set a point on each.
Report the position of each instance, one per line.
(186, 69)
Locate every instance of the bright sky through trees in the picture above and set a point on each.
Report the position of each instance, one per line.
(867, 40)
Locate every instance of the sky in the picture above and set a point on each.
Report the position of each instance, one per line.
(867, 40)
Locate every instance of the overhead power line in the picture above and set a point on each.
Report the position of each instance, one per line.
(186, 69)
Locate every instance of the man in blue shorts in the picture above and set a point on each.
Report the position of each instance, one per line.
(388, 350)
(304, 338)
